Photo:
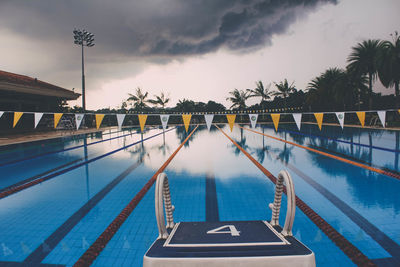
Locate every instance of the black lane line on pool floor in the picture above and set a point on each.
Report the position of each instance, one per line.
(41, 252)
(59, 151)
(380, 237)
(53, 175)
(22, 264)
(212, 214)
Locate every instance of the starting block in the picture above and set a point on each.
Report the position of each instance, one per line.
(228, 243)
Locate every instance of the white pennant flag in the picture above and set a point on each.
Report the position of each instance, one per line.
(209, 118)
(120, 120)
(38, 116)
(1, 113)
(78, 120)
(253, 120)
(340, 117)
(297, 119)
(382, 117)
(164, 121)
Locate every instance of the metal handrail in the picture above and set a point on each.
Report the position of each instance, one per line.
(163, 194)
(284, 176)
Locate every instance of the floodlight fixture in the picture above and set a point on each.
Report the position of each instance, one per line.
(83, 38)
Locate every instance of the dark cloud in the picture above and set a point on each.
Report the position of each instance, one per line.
(157, 27)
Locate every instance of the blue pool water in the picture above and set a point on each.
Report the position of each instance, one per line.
(89, 179)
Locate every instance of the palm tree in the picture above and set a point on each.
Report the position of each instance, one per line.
(389, 65)
(238, 98)
(364, 60)
(284, 90)
(139, 99)
(260, 91)
(161, 100)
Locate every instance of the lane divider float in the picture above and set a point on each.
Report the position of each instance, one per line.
(19, 188)
(59, 151)
(97, 247)
(370, 168)
(345, 245)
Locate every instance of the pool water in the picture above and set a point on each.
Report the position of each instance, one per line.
(71, 189)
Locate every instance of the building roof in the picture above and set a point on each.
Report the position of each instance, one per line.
(26, 85)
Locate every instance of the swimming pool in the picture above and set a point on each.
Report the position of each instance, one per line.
(59, 196)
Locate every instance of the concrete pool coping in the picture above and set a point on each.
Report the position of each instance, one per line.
(38, 136)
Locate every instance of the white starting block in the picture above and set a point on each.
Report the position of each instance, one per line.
(229, 243)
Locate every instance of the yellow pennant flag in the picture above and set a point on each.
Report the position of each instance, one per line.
(17, 116)
(186, 120)
(361, 117)
(142, 121)
(275, 119)
(57, 117)
(231, 120)
(319, 117)
(99, 119)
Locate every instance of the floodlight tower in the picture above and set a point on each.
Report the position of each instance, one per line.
(83, 38)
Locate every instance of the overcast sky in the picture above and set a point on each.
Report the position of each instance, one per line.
(198, 50)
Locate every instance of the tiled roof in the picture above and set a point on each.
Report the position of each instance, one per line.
(34, 83)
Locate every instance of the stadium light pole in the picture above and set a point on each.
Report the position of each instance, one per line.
(83, 38)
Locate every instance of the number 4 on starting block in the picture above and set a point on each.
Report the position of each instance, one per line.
(232, 230)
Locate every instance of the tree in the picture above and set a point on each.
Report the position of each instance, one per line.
(139, 99)
(161, 100)
(363, 60)
(186, 105)
(238, 98)
(389, 65)
(260, 91)
(334, 89)
(284, 90)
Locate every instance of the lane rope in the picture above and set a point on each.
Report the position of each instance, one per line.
(19, 188)
(354, 254)
(370, 168)
(344, 141)
(59, 151)
(97, 247)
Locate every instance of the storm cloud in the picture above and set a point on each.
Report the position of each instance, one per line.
(158, 27)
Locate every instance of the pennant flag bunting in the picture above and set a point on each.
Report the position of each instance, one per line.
(38, 116)
(231, 120)
(208, 118)
(275, 120)
(164, 121)
(120, 120)
(99, 119)
(17, 116)
(1, 113)
(253, 120)
(319, 117)
(78, 120)
(142, 121)
(57, 117)
(186, 120)
(297, 119)
(382, 117)
(361, 117)
(340, 117)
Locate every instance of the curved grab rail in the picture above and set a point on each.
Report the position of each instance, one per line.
(284, 176)
(162, 194)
